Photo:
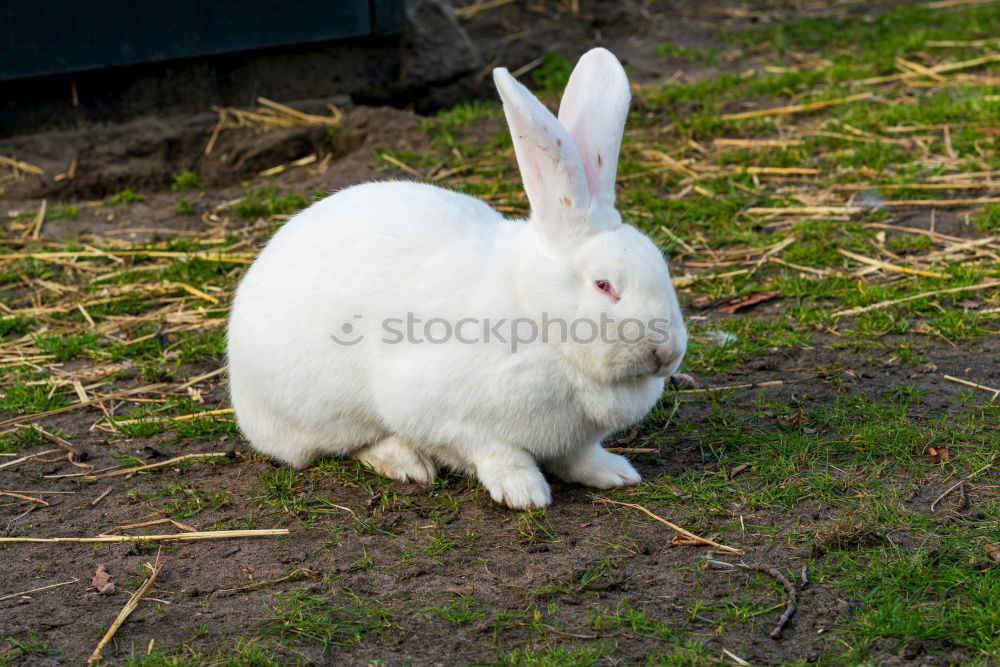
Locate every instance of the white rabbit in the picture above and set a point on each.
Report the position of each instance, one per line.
(320, 360)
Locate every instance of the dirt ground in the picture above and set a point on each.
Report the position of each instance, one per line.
(385, 551)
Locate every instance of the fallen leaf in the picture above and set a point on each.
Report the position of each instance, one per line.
(938, 454)
(102, 581)
(684, 541)
(679, 493)
(790, 420)
(993, 551)
(738, 469)
(746, 301)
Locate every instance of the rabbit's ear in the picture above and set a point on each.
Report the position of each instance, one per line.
(550, 164)
(593, 111)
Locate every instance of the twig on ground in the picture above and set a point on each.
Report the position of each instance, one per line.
(791, 604)
(151, 466)
(632, 450)
(29, 457)
(154, 522)
(299, 573)
(93, 503)
(65, 444)
(478, 7)
(735, 658)
(36, 590)
(200, 535)
(133, 602)
(796, 108)
(115, 423)
(682, 531)
(960, 483)
(23, 497)
(879, 264)
(84, 404)
(751, 385)
(994, 391)
(923, 295)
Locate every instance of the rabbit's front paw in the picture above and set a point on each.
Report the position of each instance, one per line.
(395, 458)
(516, 484)
(598, 468)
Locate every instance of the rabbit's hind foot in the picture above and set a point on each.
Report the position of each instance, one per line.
(395, 458)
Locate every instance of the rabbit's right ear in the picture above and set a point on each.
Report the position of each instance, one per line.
(593, 111)
(550, 164)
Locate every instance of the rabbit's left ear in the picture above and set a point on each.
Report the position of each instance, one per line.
(593, 111)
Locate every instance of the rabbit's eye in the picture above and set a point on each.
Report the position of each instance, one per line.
(607, 288)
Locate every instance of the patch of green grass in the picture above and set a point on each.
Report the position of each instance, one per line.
(597, 575)
(14, 327)
(186, 180)
(62, 211)
(143, 428)
(23, 398)
(246, 653)
(207, 345)
(65, 347)
(27, 646)
(579, 655)
(701, 55)
(948, 579)
(183, 500)
(552, 74)
(268, 201)
(988, 219)
(206, 428)
(127, 196)
(345, 621)
(18, 440)
(626, 616)
(440, 543)
(533, 526)
(462, 609)
(185, 207)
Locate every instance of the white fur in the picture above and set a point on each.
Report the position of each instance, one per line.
(381, 250)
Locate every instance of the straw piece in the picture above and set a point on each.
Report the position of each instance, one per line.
(55, 439)
(200, 535)
(887, 265)
(756, 143)
(236, 258)
(75, 406)
(19, 165)
(133, 602)
(923, 295)
(179, 418)
(938, 69)
(152, 466)
(751, 385)
(36, 590)
(784, 171)
(682, 531)
(796, 108)
(479, 6)
(308, 117)
(918, 68)
(12, 494)
(967, 383)
(804, 210)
